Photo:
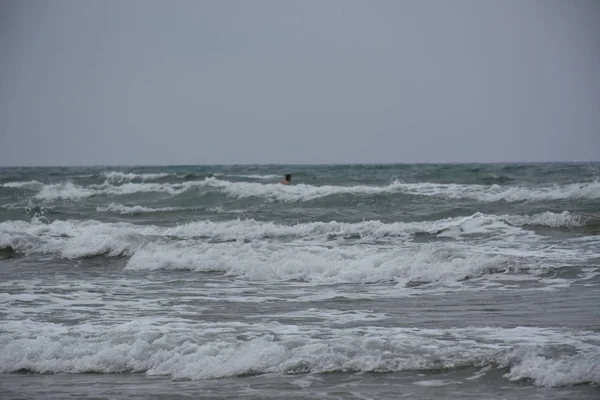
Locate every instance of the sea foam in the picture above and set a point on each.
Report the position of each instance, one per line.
(120, 177)
(133, 210)
(201, 350)
(83, 237)
(304, 192)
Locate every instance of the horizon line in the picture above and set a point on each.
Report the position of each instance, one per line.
(301, 164)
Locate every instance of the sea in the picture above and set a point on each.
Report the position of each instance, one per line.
(420, 281)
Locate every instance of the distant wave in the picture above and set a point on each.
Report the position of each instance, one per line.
(250, 176)
(31, 185)
(304, 192)
(301, 192)
(132, 210)
(495, 193)
(64, 191)
(70, 191)
(296, 192)
(120, 177)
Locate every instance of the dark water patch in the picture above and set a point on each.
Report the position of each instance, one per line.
(513, 167)
(426, 237)
(416, 283)
(591, 224)
(329, 386)
(582, 224)
(7, 253)
(568, 272)
(496, 180)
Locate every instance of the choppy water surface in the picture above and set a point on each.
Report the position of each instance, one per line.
(425, 281)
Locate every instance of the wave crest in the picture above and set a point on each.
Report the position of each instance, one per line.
(133, 210)
(38, 237)
(246, 248)
(304, 192)
(120, 177)
(203, 350)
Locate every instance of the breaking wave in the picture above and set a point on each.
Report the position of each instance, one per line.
(564, 219)
(304, 192)
(254, 262)
(245, 248)
(203, 350)
(133, 210)
(70, 191)
(250, 229)
(251, 176)
(120, 177)
(31, 185)
(497, 193)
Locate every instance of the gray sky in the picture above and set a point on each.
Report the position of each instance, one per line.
(311, 81)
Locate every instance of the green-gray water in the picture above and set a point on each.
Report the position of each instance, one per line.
(356, 281)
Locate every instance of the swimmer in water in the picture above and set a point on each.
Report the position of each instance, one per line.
(287, 180)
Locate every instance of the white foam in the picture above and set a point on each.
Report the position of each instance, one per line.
(150, 249)
(532, 363)
(293, 193)
(64, 191)
(304, 192)
(85, 238)
(485, 193)
(495, 193)
(70, 191)
(132, 210)
(250, 176)
(120, 177)
(357, 264)
(32, 185)
(273, 191)
(221, 210)
(185, 349)
(477, 223)
(435, 383)
(71, 239)
(554, 220)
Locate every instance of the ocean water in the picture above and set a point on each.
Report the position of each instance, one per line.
(355, 281)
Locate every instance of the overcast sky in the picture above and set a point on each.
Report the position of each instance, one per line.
(310, 81)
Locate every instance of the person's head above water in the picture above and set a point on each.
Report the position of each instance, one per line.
(288, 179)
